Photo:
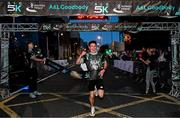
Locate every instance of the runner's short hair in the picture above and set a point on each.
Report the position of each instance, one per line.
(29, 42)
(92, 42)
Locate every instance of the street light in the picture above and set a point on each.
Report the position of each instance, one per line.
(60, 45)
(99, 39)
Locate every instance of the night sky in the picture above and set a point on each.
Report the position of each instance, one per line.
(107, 37)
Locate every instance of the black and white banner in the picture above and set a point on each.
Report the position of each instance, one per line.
(84, 7)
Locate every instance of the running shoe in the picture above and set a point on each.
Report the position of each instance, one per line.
(92, 111)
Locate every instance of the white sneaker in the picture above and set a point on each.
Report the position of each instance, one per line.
(95, 91)
(37, 93)
(31, 95)
(92, 111)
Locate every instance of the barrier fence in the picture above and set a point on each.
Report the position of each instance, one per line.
(138, 70)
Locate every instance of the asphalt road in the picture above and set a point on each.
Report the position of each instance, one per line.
(64, 96)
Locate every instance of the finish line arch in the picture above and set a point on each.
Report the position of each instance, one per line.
(172, 27)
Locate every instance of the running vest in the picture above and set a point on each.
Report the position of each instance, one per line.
(94, 63)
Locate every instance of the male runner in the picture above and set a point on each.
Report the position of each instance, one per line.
(96, 65)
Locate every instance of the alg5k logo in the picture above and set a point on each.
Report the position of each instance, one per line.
(101, 9)
(14, 7)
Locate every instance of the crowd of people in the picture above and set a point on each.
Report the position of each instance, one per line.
(134, 55)
(150, 63)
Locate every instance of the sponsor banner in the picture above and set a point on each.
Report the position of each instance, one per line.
(71, 8)
(57, 8)
(35, 8)
(14, 7)
(67, 8)
(152, 7)
(124, 65)
(89, 27)
(121, 7)
(83, 7)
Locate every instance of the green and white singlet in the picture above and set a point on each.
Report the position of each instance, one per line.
(95, 63)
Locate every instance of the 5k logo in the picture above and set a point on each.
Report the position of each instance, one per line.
(100, 9)
(13, 7)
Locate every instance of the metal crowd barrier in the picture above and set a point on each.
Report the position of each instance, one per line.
(163, 72)
(175, 88)
(4, 85)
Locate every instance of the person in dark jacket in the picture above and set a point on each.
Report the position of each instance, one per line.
(31, 69)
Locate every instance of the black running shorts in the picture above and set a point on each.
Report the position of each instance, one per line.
(97, 82)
